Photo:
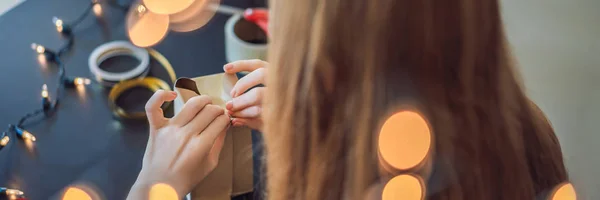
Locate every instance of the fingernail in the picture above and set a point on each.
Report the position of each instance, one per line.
(229, 105)
(232, 93)
(230, 113)
(227, 67)
(237, 124)
(173, 93)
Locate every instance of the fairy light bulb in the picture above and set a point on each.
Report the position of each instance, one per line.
(45, 91)
(97, 8)
(14, 192)
(81, 81)
(4, 141)
(141, 9)
(25, 135)
(45, 99)
(58, 23)
(76, 82)
(28, 136)
(38, 48)
(43, 53)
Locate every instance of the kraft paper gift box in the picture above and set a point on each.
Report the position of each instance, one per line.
(233, 174)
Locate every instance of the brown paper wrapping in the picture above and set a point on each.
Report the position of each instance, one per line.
(233, 174)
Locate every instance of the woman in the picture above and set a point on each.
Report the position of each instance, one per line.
(337, 70)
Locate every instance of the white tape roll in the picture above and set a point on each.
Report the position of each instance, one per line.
(235, 47)
(118, 48)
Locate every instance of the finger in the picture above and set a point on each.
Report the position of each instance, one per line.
(253, 123)
(212, 159)
(205, 140)
(252, 79)
(153, 108)
(190, 109)
(250, 98)
(215, 151)
(203, 119)
(244, 65)
(249, 112)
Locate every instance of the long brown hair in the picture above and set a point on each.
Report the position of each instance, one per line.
(340, 67)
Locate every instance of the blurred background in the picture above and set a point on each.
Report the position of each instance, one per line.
(557, 47)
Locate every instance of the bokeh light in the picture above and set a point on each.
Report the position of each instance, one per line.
(82, 191)
(97, 8)
(564, 191)
(406, 187)
(74, 193)
(161, 191)
(193, 17)
(146, 28)
(42, 60)
(404, 140)
(167, 7)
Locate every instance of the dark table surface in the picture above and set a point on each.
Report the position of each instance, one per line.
(82, 143)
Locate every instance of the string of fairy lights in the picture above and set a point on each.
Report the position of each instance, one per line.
(149, 29)
(49, 105)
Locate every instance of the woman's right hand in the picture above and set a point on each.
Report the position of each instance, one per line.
(182, 150)
(246, 107)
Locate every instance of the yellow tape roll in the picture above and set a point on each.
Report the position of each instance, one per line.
(152, 83)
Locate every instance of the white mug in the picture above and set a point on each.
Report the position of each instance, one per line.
(244, 40)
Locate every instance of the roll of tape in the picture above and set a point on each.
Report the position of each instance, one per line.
(236, 31)
(153, 84)
(123, 82)
(118, 48)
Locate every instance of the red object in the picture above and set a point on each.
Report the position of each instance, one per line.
(259, 16)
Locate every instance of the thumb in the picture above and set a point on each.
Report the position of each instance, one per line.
(154, 111)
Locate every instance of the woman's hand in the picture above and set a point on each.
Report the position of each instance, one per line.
(246, 108)
(181, 151)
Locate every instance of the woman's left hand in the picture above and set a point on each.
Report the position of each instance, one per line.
(246, 107)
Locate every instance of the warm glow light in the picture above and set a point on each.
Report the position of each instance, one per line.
(97, 9)
(74, 193)
(81, 93)
(28, 136)
(13, 192)
(4, 141)
(404, 186)
(44, 91)
(162, 191)
(193, 17)
(42, 59)
(81, 81)
(58, 23)
(38, 48)
(30, 146)
(167, 7)
(146, 28)
(141, 9)
(404, 140)
(564, 192)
